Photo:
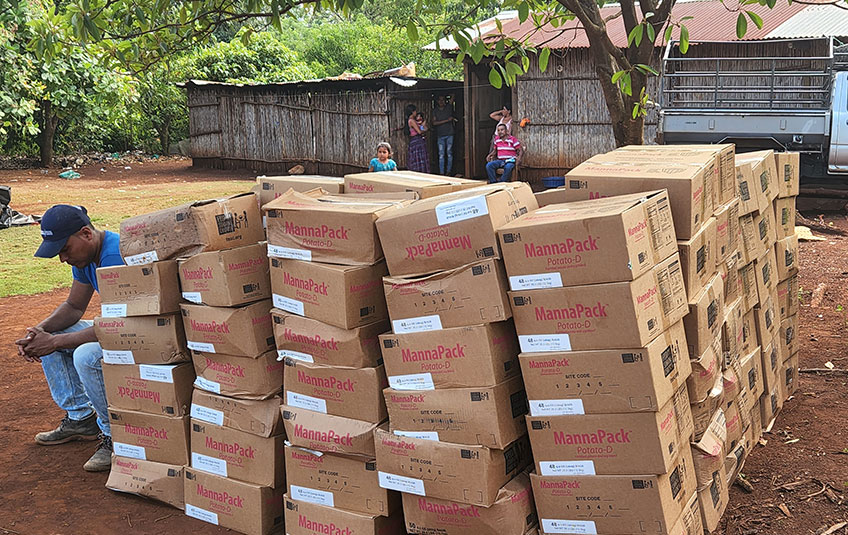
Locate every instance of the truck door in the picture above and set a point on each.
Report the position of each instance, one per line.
(838, 159)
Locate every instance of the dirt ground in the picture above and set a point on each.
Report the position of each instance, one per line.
(43, 490)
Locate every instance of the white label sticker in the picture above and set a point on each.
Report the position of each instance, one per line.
(205, 414)
(539, 343)
(209, 464)
(194, 297)
(296, 355)
(461, 209)
(567, 468)
(111, 356)
(412, 381)
(535, 282)
(128, 450)
(201, 514)
(206, 384)
(289, 305)
(142, 258)
(305, 494)
(423, 435)
(556, 407)
(578, 527)
(303, 401)
(401, 483)
(114, 310)
(415, 325)
(203, 347)
(264, 221)
(279, 251)
(161, 374)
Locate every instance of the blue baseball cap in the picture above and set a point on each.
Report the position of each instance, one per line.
(58, 224)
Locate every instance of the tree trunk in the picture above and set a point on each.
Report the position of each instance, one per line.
(164, 132)
(49, 122)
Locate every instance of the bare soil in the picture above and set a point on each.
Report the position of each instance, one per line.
(43, 490)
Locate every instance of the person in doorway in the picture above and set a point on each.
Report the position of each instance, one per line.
(65, 344)
(417, 159)
(443, 120)
(504, 117)
(506, 154)
(383, 161)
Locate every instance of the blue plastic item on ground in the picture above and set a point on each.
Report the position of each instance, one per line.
(553, 181)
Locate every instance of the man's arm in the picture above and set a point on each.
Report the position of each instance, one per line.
(40, 341)
(520, 155)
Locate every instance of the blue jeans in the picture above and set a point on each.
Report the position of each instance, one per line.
(493, 166)
(75, 379)
(445, 144)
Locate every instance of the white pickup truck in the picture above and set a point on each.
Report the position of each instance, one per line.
(792, 102)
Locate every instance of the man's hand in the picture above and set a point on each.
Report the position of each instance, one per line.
(21, 344)
(38, 343)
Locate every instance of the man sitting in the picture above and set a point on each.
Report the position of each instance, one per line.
(506, 154)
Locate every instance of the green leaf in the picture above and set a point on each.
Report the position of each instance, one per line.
(523, 11)
(758, 22)
(667, 36)
(92, 28)
(646, 69)
(652, 35)
(635, 35)
(741, 26)
(616, 76)
(495, 78)
(684, 39)
(543, 59)
(412, 31)
(477, 51)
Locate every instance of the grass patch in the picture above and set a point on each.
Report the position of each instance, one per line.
(107, 204)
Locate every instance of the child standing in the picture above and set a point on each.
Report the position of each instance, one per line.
(383, 161)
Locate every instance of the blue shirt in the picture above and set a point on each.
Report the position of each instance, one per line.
(390, 165)
(110, 255)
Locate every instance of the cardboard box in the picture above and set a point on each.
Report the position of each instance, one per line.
(786, 256)
(735, 460)
(350, 392)
(142, 339)
(423, 184)
(304, 518)
(751, 377)
(766, 275)
(771, 403)
(607, 381)
(698, 257)
(631, 502)
(339, 230)
(488, 416)
(750, 294)
(729, 271)
(750, 339)
(328, 433)
(157, 481)
(474, 356)
(580, 445)
(227, 452)
(154, 389)
(349, 483)
(705, 368)
(513, 513)
(708, 451)
(242, 377)
(706, 315)
(750, 197)
(790, 375)
(787, 336)
(245, 507)
(310, 340)
(271, 187)
(764, 171)
(191, 228)
(767, 319)
(702, 412)
(728, 235)
(452, 230)
(226, 278)
(467, 295)
(765, 228)
(343, 296)
(258, 417)
(788, 173)
(139, 290)
(603, 240)
(732, 378)
(244, 331)
(735, 425)
(689, 185)
(713, 501)
(771, 363)
(731, 332)
(149, 437)
(469, 474)
(600, 316)
(784, 217)
(788, 297)
(751, 247)
(689, 522)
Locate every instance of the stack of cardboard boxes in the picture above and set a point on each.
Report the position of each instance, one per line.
(457, 445)
(326, 277)
(598, 298)
(422, 184)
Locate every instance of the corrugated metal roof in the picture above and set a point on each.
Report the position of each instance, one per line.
(814, 21)
(483, 27)
(712, 22)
